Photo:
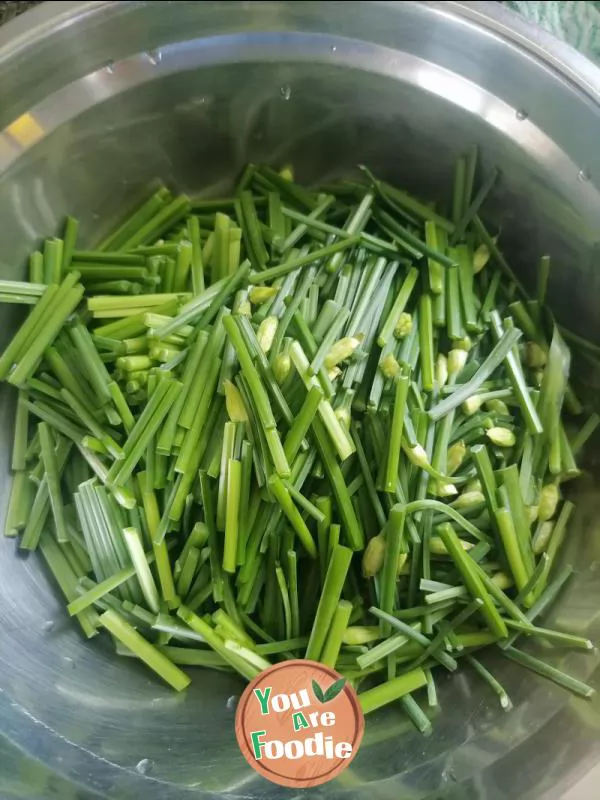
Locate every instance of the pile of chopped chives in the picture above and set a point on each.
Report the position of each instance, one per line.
(298, 423)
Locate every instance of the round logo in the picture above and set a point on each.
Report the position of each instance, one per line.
(299, 724)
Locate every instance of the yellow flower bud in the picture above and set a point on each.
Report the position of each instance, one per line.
(457, 359)
(480, 258)
(441, 370)
(531, 513)
(260, 294)
(498, 407)
(403, 326)
(266, 333)
(373, 556)
(287, 172)
(502, 437)
(341, 350)
(456, 455)
(244, 309)
(442, 489)
(234, 403)
(549, 497)
(463, 344)
(468, 500)
(281, 367)
(472, 405)
(417, 455)
(400, 566)
(389, 366)
(534, 355)
(502, 580)
(438, 548)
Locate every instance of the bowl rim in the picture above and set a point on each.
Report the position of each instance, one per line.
(42, 21)
(34, 25)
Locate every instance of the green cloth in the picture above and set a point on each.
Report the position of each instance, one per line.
(576, 22)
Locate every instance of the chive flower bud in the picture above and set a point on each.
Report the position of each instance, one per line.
(403, 326)
(534, 356)
(281, 367)
(480, 258)
(389, 366)
(260, 294)
(341, 350)
(457, 359)
(373, 556)
(469, 500)
(498, 407)
(502, 437)
(441, 370)
(234, 403)
(456, 455)
(266, 333)
(548, 501)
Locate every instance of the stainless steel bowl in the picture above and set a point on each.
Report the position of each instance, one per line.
(98, 99)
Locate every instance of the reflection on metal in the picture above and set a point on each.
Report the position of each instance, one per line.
(25, 131)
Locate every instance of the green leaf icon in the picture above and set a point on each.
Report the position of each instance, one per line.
(334, 689)
(318, 692)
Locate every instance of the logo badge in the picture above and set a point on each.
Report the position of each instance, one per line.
(299, 724)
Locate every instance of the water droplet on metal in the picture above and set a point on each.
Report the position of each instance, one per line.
(521, 115)
(110, 67)
(448, 774)
(68, 662)
(48, 627)
(232, 702)
(583, 175)
(333, 48)
(154, 57)
(286, 92)
(145, 766)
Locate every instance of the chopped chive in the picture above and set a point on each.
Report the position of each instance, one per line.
(543, 272)
(416, 636)
(494, 685)
(394, 545)
(20, 440)
(239, 663)
(138, 559)
(154, 659)
(232, 521)
(391, 690)
(272, 273)
(340, 438)
(472, 579)
(465, 390)
(283, 498)
(556, 637)
(52, 470)
(393, 459)
(19, 504)
(330, 597)
(551, 673)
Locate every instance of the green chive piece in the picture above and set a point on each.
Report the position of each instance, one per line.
(330, 597)
(155, 660)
